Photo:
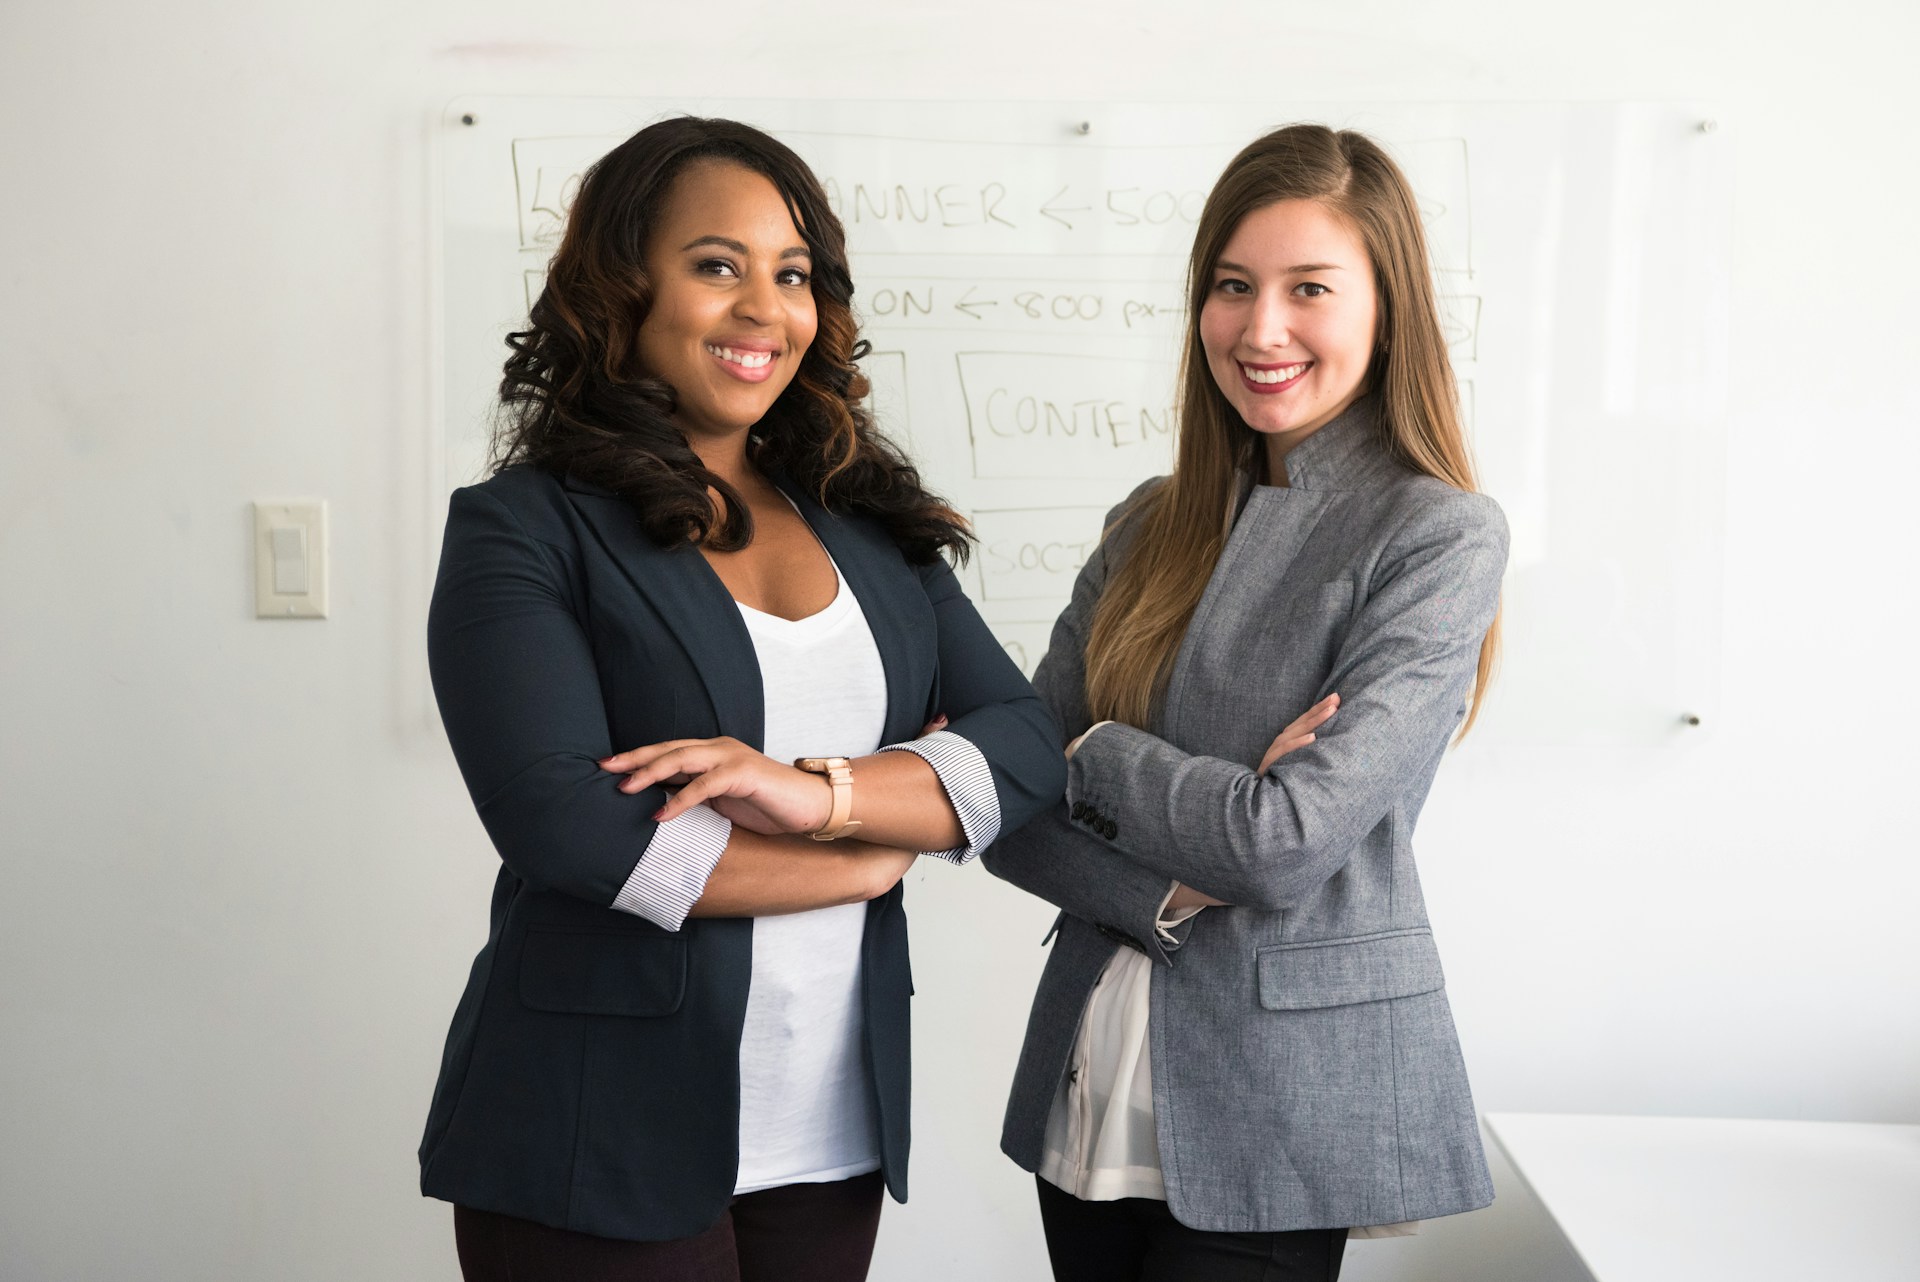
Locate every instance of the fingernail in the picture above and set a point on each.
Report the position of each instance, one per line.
(658, 814)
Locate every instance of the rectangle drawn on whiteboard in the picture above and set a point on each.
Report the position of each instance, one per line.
(1043, 416)
(546, 176)
(1460, 325)
(887, 395)
(1033, 554)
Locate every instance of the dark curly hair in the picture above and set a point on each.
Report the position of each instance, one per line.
(575, 400)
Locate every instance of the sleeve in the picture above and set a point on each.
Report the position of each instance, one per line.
(1052, 857)
(520, 697)
(991, 706)
(1081, 875)
(967, 779)
(1167, 923)
(672, 872)
(1402, 674)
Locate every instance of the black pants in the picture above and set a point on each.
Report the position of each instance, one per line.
(795, 1233)
(1136, 1239)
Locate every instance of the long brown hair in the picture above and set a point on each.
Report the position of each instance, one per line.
(575, 400)
(1179, 529)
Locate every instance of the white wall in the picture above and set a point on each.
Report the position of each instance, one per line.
(242, 879)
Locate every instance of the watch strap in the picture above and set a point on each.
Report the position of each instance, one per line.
(839, 774)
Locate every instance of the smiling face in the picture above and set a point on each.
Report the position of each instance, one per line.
(1288, 323)
(732, 311)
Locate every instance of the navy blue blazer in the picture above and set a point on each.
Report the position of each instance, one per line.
(591, 1074)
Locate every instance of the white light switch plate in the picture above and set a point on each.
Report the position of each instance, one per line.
(290, 559)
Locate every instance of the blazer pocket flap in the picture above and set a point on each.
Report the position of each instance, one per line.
(1343, 972)
(578, 972)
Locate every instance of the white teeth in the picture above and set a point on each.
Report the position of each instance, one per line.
(745, 360)
(1280, 375)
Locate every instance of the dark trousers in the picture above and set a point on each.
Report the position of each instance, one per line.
(795, 1233)
(1136, 1239)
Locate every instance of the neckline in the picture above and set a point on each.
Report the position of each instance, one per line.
(825, 619)
(839, 580)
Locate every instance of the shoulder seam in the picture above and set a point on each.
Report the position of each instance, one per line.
(480, 491)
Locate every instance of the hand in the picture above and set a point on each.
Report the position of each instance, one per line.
(1081, 738)
(1185, 896)
(741, 783)
(1300, 733)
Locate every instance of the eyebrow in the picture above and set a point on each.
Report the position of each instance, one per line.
(797, 251)
(1224, 266)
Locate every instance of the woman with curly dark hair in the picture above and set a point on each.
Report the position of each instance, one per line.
(682, 1052)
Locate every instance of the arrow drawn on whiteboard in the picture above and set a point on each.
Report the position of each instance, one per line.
(1048, 207)
(972, 309)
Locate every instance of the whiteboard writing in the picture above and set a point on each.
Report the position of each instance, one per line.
(1023, 304)
(1052, 415)
(1033, 554)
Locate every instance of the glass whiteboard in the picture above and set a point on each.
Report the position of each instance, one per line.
(1019, 271)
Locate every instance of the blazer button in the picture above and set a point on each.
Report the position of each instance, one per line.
(1079, 810)
(1111, 829)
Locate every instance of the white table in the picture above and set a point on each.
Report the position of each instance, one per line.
(1689, 1199)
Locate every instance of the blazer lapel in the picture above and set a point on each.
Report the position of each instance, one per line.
(696, 607)
(888, 592)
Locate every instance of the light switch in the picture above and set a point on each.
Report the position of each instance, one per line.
(290, 560)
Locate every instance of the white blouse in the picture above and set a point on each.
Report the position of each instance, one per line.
(806, 1100)
(806, 1107)
(1100, 1143)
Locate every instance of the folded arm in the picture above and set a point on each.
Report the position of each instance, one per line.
(520, 697)
(989, 752)
(1264, 838)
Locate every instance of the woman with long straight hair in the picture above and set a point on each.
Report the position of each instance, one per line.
(1241, 1047)
(682, 1052)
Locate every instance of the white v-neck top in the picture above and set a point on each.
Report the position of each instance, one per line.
(806, 1105)
(807, 1112)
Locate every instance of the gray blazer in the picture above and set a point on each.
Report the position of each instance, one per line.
(1306, 1073)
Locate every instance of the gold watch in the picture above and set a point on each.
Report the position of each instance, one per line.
(839, 773)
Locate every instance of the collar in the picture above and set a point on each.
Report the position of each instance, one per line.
(1343, 455)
